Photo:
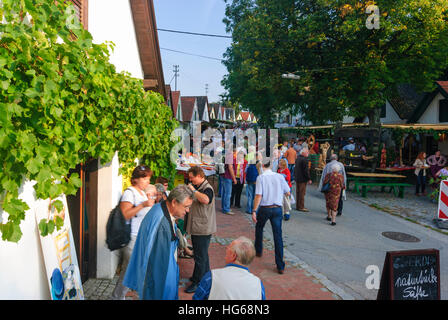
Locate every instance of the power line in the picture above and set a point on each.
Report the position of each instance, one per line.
(191, 54)
(196, 33)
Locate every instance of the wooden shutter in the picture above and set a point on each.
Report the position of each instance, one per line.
(81, 7)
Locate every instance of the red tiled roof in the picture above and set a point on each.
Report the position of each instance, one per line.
(187, 108)
(244, 115)
(175, 95)
(443, 85)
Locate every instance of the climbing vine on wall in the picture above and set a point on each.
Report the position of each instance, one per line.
(62, 103)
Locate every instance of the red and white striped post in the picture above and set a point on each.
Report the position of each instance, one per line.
(442, 211)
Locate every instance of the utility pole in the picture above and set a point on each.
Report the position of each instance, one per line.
(176, 74)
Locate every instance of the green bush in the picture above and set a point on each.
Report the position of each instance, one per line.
(62, 103)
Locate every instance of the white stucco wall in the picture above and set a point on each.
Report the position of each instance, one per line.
(431, 115)
(109, 193)
(391, 115)
(22, 267)
(111, 20)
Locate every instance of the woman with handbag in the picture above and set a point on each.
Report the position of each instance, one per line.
(284, 171)
(333, 184)
(134, 204)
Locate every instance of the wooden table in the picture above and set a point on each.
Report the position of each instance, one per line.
(367, 180)
(396, 169)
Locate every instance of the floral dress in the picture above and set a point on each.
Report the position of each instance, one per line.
(336, 185)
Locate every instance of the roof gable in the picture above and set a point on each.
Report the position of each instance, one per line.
(175, 95)
(442, 88)
(406, 100)
(188, 108)
(202, 102)
(148, 45)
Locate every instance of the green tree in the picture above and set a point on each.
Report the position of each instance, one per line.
(62, 103)
(346, 66)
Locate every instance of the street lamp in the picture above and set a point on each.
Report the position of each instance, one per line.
(290, 76)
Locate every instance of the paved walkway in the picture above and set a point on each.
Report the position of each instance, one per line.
(299, 282)
(421, 210)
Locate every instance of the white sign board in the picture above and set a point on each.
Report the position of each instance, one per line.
(58, 248)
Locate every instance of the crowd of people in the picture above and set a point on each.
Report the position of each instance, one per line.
(162, 221)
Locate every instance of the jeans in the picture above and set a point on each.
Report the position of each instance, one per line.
(421, 181)
(250, 194)
(275, 216)
(226, 194)
(220, 186)
(200, 255)
(291, 169)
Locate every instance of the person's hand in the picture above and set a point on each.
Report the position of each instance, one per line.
(147, 203)
(254, 217)
(234, 181)
(310, 182)
(288, 194)
(191, 187)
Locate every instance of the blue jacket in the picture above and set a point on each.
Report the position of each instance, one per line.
(252, 173)
(152, 270)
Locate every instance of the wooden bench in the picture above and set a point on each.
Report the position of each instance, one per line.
(398, 188)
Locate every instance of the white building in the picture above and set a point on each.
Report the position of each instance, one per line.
(131, 26)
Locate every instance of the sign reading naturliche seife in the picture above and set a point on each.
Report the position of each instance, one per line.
(411, 275)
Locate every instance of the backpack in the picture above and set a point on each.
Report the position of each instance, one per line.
(118, 232)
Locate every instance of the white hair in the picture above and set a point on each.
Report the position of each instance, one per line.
(303, 151)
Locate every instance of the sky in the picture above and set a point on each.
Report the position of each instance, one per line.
(199, 16)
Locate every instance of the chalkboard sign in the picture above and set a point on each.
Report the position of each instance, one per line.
(411, 275)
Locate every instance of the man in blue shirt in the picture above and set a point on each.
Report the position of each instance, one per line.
(234, 281)
(350, 146)
(269, 190)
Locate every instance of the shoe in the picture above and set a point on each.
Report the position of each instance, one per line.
(286, 217)
(280, 271)
(333, 223)
(259, 254)
(304, 210)
(328, 218)
(192, 288)
(230, 213)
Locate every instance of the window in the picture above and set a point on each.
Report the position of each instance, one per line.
(443, 110)
(383, 111)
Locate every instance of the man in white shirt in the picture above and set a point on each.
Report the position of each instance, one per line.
(234, 281)
(269, 190)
